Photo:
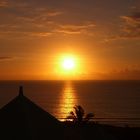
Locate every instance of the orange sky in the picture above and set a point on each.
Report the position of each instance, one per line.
(102, 35)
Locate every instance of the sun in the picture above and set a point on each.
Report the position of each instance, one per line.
(68, 63)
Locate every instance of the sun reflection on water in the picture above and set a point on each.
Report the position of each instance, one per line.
(68, 100)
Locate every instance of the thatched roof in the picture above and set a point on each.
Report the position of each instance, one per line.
(23, 119)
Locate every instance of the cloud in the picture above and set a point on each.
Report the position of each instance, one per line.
(131, 26)
(68, 32)
(54, 13)
(75, 29)
(3, 3)
(41, 26)
(122, 74)
(41, 34)
(10, 35)
(25, 21)
(127, 73)
(6, 58)
(22, 19)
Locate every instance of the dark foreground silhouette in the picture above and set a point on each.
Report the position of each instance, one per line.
(78, 116)
(21, 119)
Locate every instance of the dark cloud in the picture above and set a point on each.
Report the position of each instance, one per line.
(6, 58)
(3, 3)
(131, 26)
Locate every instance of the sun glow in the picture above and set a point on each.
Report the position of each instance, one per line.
(68, 66)
(68, 63)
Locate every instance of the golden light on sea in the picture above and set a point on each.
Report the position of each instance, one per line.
(68, 100)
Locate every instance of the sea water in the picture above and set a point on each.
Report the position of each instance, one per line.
(110, 101)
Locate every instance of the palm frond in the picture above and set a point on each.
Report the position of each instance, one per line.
(77, 115)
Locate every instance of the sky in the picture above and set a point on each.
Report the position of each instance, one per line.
(103, 36)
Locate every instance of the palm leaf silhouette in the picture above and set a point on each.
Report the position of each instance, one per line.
(79, 116)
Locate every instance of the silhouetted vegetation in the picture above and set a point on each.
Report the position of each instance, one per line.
(78, 116)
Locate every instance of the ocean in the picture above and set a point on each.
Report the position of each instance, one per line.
(116, 102)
